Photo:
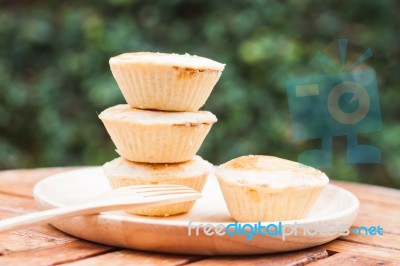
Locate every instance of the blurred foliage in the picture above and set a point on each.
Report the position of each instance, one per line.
(55, 77)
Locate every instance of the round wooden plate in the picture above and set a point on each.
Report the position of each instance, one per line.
(336, 207)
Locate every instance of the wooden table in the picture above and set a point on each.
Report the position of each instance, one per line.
(45, 245)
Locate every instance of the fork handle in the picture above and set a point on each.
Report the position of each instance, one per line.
(51, 215)
(43, 217)
(47, 216)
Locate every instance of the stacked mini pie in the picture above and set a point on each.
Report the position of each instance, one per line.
(158, 133)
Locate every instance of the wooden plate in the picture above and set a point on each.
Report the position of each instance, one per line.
(335, 207)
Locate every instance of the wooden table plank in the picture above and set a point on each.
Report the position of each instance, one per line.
(43, 229)
(17, 205)
(301, 257)
(137, 258)
(370, 193)
(31, 238)
(363, 250)
(388, 240)
(24, 240)
(72, 251)
(350, 260)
(11, 205)
(386, 215)
(20, 182)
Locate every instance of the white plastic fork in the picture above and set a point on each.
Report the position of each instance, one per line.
(130, 197)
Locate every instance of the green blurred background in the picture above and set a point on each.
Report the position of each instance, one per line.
(55, 77)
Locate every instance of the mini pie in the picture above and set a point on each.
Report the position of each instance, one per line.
(168, 82)
(156, 136)
(193, 174)
(265, 188)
